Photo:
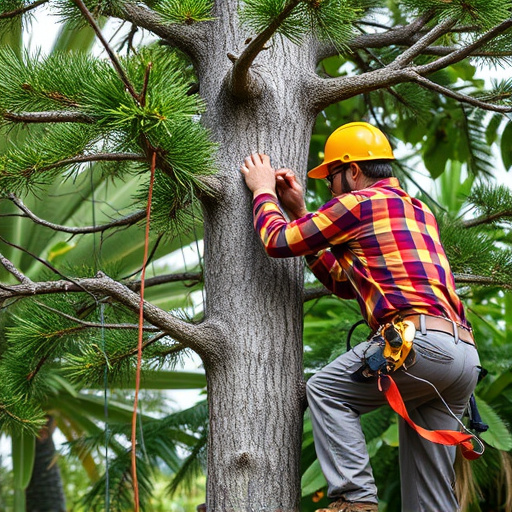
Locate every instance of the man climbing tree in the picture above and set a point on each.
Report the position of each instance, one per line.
(257, 86)
(375, 243)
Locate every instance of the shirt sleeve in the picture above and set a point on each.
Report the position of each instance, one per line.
(337, 222)
(329, 272)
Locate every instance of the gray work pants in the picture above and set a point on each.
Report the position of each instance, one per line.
(426, 469)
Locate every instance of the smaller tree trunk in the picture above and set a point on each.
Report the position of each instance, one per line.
(45, 492)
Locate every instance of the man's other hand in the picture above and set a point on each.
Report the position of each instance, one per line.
(259, 174)
(291, 194)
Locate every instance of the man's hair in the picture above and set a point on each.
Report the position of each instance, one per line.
(376, 169)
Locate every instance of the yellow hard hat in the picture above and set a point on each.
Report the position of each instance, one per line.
(353, 142)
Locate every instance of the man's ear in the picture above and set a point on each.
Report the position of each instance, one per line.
(355, 171)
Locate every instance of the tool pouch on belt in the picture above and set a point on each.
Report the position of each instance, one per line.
(391, 348)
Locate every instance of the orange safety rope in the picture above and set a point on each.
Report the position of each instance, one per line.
(447, 437)
(139, 345)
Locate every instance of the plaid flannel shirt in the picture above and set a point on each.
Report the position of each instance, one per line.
(377, 245)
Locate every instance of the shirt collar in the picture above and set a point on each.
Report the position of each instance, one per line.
(386, 182)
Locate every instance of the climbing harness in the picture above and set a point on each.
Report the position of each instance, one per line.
(391, 349)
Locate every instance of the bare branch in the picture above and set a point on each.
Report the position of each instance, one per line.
(464, 98)
(113, 57)
(482, 280)
(166, 278)
(240, 78)
(328, 91)
(488, 219)
(394, 36)
(316, 293)
(96, 325)
(13, 270)
(128, 220)
(98, 157)
(462, 53)
(202, 338)
(22, 10)
(47, 117)
(188, 38)
(416, 49)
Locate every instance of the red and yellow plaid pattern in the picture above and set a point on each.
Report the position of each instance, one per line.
(377, 245)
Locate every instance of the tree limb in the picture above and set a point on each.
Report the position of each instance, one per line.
(416, 49)
(240, 78)
(47, 117)
(113, 57)
(13, 270)
(315, 293)
(128, 220)
(188, 38)
(482, 280)
(462, 53)
(96, 325)
(98, 157)
(395, 36)
(331, 90)
(22, 10)
(165, 278)
(464, 98)
(488, 219)
(202, 338)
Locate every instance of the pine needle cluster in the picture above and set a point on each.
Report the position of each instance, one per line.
(494, 203)
(184, 11)
(328, 19)
(165, 121)
(69, 12)
(474, 251)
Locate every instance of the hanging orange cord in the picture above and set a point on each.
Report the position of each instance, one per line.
(139, 345)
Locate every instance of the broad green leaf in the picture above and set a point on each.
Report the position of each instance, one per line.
(313, 479)
(506, 146)
(23, 456)
(498, 435)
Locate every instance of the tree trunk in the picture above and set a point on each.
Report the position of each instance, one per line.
(44, 492)
(255, 383)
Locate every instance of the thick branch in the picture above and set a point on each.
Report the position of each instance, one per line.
(188, 38)
(47, 117)
(463, 98)
(124, 221)
(240, 78)
(202, 338)
(22, 10)
(328, 91)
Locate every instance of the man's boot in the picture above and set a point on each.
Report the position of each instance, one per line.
(350, 506)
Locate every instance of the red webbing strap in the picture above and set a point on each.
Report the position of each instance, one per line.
(448, 437)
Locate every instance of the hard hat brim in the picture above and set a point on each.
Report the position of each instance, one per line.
(322, 171)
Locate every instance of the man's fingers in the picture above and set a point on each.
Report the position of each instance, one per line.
(244, 170)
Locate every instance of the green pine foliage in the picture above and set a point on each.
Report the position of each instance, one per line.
(165, 121)
(70, 13)
(492, 202)
(184, 11)
(328, 19)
